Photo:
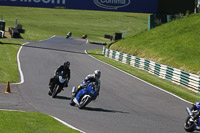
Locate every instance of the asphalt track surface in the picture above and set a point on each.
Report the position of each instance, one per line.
(125, 104)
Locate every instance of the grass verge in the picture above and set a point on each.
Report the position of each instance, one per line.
(30, 122)
(8, 60)
(164, 84)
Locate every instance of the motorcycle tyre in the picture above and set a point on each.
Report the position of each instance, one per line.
(189, 128)
(84, 104)
(55, 91)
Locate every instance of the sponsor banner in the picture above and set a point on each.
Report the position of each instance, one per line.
(139, 6)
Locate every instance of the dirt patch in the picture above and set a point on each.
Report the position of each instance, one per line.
(6, 33)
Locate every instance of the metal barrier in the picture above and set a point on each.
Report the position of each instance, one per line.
(180, 77)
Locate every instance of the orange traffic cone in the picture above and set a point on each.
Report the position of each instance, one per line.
(7, 88)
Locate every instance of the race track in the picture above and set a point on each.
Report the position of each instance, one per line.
(125, 104)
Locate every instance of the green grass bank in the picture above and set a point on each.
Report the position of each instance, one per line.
(175, 44)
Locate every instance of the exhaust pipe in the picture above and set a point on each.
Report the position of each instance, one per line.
(189, 111)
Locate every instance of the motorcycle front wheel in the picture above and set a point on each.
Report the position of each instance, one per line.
(189, 124)
(55, 91)
(83, 102)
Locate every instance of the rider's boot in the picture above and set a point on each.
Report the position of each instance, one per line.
(49, 93)
(74, 92)
(72, 102)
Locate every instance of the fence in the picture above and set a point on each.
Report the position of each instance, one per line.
(180, 77)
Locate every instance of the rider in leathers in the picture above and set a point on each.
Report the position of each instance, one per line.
(66, 70)
(95, 77)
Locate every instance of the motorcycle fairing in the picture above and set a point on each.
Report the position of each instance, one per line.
(198, 105)
(80, 94)
(89, 90)
(61, 79)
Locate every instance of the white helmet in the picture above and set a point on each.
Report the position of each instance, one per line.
(97, 74)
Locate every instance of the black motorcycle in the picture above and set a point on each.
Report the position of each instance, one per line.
(57, 84)
(69, 34)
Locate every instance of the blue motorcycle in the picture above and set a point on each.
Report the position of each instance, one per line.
(192, 122)
(84, 95)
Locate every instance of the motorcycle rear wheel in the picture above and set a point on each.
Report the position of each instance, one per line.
(189, 125)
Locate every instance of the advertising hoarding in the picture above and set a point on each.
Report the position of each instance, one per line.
(138, 6)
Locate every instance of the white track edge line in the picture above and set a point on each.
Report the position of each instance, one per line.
(141, 80)
(19, 65)
(22, 81)
(68, 125)
(47, 38)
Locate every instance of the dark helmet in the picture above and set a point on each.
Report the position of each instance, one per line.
(69, 33)
(97, 74)
(67, 64)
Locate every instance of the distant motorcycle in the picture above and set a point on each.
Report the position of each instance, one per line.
(84, 36)
(69, 34)
(59, 82)
(192, 122)
(84, 96)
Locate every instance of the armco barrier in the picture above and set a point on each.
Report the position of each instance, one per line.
(180, 77)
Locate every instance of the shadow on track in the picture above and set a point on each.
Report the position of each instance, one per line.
(103, 110)
(48, 48)
(62, 97)
(10, 43)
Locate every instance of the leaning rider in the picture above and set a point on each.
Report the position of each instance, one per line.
(95, 77)
(67, 73)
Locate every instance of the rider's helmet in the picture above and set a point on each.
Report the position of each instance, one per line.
(97, 74)
(67, 64)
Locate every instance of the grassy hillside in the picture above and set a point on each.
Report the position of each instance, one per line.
(176, 44)
(42, 23)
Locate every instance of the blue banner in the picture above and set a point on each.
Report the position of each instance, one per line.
(138, 6)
